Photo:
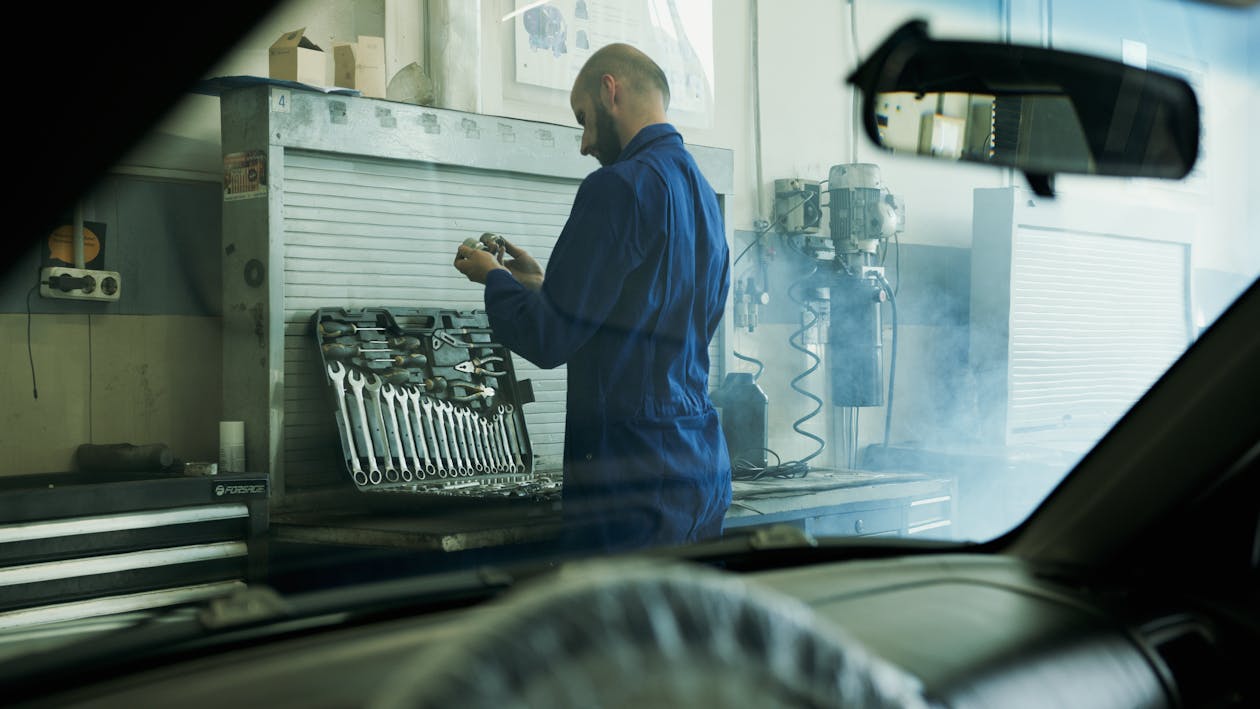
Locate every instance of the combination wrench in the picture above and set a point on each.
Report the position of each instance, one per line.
(515, 438)
(427, 405)
(465, 446)
(449, 445)
(409, 437)
(337, 373)
(457, 435)
(500, 424)
(391, 397)
(483, 443)
(474, 441)
(374, 387)
(487, 445)
(418, 433)
(357, 382)
(495, 455)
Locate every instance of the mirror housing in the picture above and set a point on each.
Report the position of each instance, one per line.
(1041, 111)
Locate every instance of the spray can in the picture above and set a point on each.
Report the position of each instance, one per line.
(745, 422)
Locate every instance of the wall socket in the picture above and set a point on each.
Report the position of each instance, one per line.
(79, 283)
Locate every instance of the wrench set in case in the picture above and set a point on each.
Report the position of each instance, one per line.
(427, 402)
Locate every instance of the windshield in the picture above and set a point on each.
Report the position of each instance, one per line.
(399, 291)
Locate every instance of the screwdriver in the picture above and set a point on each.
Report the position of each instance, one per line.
(332, 328)
(336, 350)
(395, 376)
(411, 360)
(399, 343)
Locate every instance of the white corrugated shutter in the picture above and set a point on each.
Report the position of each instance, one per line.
(361, 232)
(1094, 321)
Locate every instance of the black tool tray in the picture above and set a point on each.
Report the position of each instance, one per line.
(426, 402)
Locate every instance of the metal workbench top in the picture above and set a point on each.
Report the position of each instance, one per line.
(343, 520)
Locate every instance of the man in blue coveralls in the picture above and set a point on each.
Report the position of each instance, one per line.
(632, 295)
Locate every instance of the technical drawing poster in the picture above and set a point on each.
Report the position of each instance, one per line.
(554, 38)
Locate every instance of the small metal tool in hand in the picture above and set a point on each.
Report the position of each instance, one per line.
(489, 241)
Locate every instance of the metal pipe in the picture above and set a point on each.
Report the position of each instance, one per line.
(78, 236)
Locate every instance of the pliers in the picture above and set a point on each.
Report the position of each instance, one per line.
(478, 392)
(474, 366)
(448, 337)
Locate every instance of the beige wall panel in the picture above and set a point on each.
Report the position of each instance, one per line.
(153, 379)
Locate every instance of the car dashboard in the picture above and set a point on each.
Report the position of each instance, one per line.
(971, 630)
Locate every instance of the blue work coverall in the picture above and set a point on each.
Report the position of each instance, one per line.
(632, 295)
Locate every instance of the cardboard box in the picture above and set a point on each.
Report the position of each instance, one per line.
(296, 58)
(361, 65)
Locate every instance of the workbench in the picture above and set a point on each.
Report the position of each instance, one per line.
(460, 527)
(847, 503)
(822, 503)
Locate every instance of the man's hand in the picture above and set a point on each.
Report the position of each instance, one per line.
(523, 266)
(475, 263)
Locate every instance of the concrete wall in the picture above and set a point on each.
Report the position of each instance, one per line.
(107, 379)
(143, 370)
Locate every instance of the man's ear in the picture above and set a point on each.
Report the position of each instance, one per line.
(608, 90)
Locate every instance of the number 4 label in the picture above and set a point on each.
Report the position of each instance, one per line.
(280, 100)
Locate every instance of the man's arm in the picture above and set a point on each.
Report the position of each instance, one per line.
(595, 253)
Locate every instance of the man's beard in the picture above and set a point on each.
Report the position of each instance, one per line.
(607, 146)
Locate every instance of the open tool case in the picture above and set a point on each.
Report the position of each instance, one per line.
(427, 402)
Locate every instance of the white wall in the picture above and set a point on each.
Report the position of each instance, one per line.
(732, 127)
(806, 51)
(806, 126)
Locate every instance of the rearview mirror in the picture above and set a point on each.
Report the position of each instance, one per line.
(1041, 111)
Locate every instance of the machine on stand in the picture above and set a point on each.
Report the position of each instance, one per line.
(839, 287)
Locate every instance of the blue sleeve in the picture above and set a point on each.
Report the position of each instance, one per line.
(597, 249)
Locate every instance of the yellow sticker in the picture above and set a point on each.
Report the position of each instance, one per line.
(61, 244)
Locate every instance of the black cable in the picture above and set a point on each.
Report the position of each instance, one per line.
(897, 262)
(857, 421)
(800, 347)
(766, 229)
(30, 353)
(744, 469)
(760, 366)
(892, 367)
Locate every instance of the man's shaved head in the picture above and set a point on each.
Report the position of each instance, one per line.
(631, 67)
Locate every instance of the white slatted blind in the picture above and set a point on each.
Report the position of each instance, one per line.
(362, 232)
(1094, 321)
